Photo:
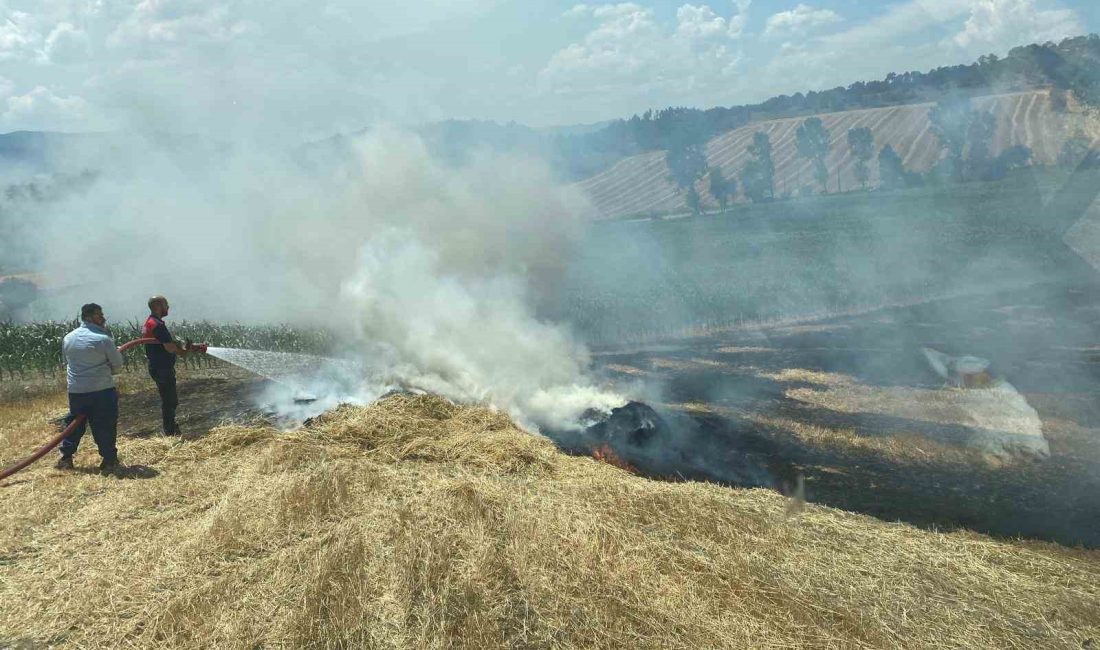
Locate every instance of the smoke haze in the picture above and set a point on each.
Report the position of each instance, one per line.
(428, 273)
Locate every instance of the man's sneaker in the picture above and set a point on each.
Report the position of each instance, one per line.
(109, 467)
(65, 462)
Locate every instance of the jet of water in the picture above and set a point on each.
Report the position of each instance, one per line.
(305, 385)
(283, 366)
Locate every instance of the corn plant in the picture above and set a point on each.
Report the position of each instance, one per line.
(34, 349)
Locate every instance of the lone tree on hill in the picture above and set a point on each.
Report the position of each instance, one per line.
(979, 135)
(758, 177)
(1016, 157)
(891, 171)
(693, 201)
(721, 188)
(813, 144)
(950, 122)
(686, 165)
(963, 130)
(862, 143)
(1075, 150)
(1059, 100)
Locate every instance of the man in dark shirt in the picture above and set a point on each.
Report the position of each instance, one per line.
(162, 361)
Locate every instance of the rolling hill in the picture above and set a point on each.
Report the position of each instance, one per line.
(641, 184)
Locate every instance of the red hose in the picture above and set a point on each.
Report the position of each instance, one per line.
(77, 421)
(136, 342)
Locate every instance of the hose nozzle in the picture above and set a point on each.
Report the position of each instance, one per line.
(194, 347)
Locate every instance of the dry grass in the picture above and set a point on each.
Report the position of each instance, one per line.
(416, 523)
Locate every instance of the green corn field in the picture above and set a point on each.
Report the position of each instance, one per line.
(34, 349)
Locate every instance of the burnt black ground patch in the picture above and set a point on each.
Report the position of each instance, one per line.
(732, 389)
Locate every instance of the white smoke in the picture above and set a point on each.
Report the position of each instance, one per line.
(429, 273)
(473, 339)
(443, 292)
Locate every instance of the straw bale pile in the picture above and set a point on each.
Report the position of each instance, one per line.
(416, 523)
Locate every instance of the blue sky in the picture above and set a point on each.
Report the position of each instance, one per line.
(288, 69)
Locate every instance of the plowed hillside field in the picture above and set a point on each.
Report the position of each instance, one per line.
(641, 185)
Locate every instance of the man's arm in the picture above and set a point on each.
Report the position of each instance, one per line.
(160, 333)
(175, 349)
(114, 357)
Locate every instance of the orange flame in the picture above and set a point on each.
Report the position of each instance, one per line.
(605, 454)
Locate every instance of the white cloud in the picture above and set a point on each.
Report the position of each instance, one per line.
(703, 23)
(247, 68)
(629, 51)
(66, 44)
(616, 49)
(889, 42)
(157, 26)
(915, 35)
(578, 10)
(41, 109)
(739, 17)
(699, 22)
(1000, 24)
(621, 10)
(305, 70)
(18, 36)
(800, 20)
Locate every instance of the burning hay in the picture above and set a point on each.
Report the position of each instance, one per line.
(606, 454)
(418, 523)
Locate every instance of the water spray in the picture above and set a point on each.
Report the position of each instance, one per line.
(279, 367)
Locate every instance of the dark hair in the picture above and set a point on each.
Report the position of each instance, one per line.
(89, 310)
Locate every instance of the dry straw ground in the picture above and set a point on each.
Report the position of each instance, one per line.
(415, 523)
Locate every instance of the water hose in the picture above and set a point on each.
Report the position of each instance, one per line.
(77, 421)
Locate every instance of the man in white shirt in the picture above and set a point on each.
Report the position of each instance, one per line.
(92, 360)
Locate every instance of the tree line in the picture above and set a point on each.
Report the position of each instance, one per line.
(1066, 66)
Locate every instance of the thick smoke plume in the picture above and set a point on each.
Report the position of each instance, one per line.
(426, 273)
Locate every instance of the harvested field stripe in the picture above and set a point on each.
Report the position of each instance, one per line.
(654, 192)
(1003, 131)
(735, 148)
(617, 168)
(1029, 137)
(649, 164)
(731, 141)
(1041, 149)
(914, 145)
(655, 170)
(746, 132)
(1014, 137)
(646, 190)
(774, 133)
